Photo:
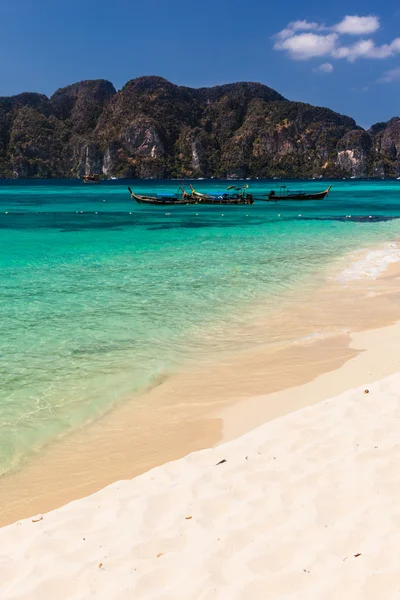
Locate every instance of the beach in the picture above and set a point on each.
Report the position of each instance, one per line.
(331, 349)
(303, 506)
(199, 408)
(243, 472)
(199, 302)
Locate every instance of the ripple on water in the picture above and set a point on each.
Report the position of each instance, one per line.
(100, 305)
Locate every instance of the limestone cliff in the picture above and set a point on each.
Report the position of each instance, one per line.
(152, 128)
(386, 147)
(354, 153)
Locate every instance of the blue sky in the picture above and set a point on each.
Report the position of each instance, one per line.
(322, 57)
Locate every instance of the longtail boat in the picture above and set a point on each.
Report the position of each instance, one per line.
(178, 198)
(91, 179)
(237, 195)
(183, 198)
(285, 194)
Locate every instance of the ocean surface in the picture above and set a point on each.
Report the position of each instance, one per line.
(102, 298)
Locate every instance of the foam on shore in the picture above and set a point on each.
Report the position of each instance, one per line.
(370, 263)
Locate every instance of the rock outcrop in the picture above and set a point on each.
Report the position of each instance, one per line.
(354, 153)
(386, 145)
(152, 128)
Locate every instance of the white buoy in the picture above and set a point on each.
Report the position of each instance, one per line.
(370, 216)
(95, 213)
(7, 213)
(222, 214)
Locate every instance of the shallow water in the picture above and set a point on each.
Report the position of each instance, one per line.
(101, 298)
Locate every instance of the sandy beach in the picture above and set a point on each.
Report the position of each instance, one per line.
(302, 507)
(199, 302)
(345, 335)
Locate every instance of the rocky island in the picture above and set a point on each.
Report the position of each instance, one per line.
(152, 128)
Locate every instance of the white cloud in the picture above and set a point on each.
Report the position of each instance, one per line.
(302, 42)
(307, 45)
(390, 76)
(350, 24)
(367, 49)
(324, 68)
(303, 25)
(355, 25)
(283, 35)
(294, 27)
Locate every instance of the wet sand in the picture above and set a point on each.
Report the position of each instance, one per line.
(342, 335)
(305, 506)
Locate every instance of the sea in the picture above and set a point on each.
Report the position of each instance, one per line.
(102, 298)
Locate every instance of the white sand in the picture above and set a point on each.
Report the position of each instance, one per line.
(306, 507)
(376, 356)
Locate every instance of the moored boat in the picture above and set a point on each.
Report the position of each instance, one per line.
(286, 194)
(91, 179)
(174, 199)
(237, 195)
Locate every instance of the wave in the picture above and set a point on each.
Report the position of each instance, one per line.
(371, 264)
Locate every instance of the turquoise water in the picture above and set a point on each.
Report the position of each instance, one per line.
(101, 298)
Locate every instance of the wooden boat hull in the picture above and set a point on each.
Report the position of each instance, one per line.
(298, 197)
(188, 199)
(160, 201)
(91, 179)
(223, 199)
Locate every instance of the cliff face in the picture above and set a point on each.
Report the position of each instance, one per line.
(152, 128)
(354, 154)
(386, 147)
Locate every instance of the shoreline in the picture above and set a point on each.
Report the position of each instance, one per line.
(224, 403)
(363, 368)
(304, 504)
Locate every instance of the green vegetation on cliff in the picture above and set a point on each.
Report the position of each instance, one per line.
(152, 128)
